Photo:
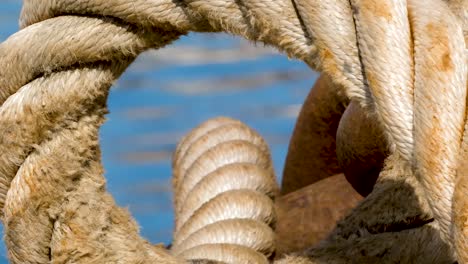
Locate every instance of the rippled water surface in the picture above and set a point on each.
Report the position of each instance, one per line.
(165, 93)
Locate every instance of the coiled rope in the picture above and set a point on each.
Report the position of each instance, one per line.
(404, 60)
(223, 189)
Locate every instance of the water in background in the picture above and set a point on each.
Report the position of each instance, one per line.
(166, 93)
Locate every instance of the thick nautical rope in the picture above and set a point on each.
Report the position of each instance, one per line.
(393, 224)
(56, 208)
(224, 186)
(403, 60)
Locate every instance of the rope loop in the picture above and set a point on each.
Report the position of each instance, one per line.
(403, 60)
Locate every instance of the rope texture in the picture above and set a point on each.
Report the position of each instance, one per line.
(223, 190)
(393, 224)
(406, 61)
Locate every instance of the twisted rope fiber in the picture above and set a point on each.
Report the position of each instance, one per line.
(223, 189)
(387, 55)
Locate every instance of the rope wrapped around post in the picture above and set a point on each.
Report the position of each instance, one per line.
(403, 60)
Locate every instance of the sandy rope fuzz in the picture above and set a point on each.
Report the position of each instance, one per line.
(223, 188)
(403, 60)
(460, 203)
(393, 224)
(57, 209)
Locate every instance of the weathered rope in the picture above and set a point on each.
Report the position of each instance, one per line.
(57, 209)
(393, 224)
(223, 189)
(439, 105)
(404, 60)
(460, 214)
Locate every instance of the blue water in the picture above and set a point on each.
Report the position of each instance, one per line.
(165, 93)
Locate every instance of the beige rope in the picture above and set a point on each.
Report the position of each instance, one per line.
(460, 214)
(405, 61)
(392, 225)
(223, 185)
(57, 208)
(440, 101)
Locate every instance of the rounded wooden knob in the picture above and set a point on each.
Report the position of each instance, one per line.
(361, 148)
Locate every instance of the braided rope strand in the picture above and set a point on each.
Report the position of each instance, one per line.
(440, 103)
(382, 53)
(223, 187)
